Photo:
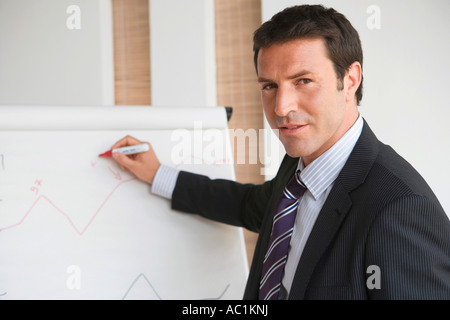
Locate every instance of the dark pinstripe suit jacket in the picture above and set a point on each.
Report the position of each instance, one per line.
(380, 213)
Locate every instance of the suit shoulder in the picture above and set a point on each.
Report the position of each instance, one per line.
(395, 177)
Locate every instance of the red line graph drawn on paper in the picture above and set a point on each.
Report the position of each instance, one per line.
(117, 176)
(80, 232)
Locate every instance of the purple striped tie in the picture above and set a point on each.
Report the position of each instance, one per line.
(283, 225)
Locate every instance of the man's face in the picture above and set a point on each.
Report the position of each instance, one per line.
(300, 97)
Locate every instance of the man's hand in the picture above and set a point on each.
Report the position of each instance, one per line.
(143, 165)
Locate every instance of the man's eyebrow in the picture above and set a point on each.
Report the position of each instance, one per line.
(261, 79)
(294, 76)
(300, 74)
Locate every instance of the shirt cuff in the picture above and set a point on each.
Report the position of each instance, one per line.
(164, 181)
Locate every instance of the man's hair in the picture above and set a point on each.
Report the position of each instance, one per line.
(314, 21)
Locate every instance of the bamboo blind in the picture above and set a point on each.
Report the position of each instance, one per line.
(131, 52)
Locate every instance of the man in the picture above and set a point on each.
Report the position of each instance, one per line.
(363, 224)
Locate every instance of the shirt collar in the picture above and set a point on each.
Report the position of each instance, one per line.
(324, 170)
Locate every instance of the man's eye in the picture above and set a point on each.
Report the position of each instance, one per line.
(304, 81)
(268, 86)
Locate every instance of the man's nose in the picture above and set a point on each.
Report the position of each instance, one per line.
(285, 101)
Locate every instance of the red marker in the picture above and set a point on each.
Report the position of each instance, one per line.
(138, 148)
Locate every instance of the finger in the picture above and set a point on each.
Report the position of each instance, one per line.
(124, 161)
(126, 141)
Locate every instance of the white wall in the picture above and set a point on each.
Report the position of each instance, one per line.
(182, 53)
(406, 69)
(44, 62)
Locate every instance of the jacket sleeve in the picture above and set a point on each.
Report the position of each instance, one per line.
(410, 243)
(222, 200)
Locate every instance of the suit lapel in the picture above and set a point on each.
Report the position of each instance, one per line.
(335, 209)
(330, 218)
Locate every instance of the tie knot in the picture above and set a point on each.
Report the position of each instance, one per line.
(295, 188)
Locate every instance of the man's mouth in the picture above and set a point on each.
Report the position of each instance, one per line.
(292, 128)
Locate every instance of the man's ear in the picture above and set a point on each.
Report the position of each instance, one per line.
(352, 80)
